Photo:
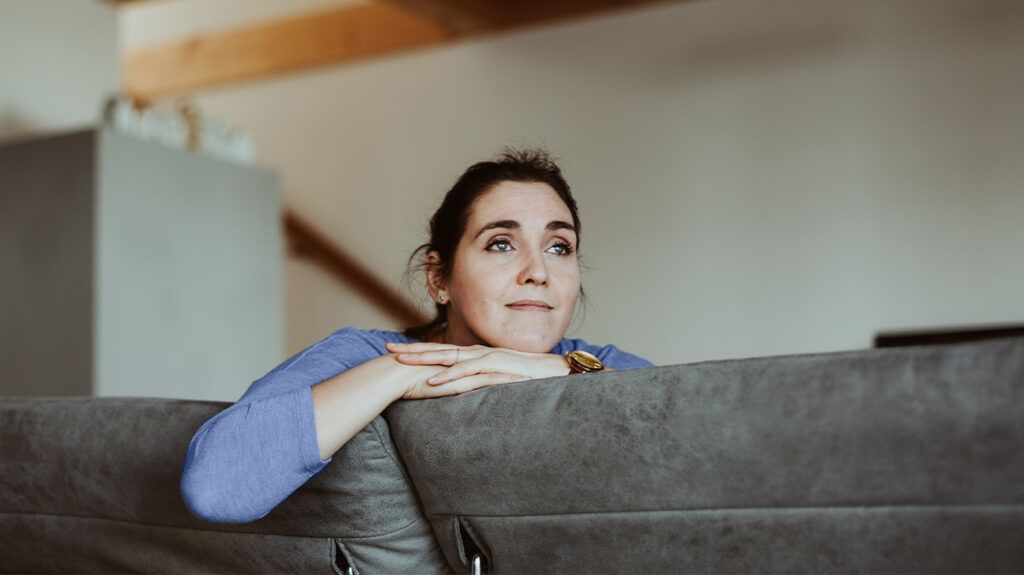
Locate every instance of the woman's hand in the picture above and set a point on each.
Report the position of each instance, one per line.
(473, 367)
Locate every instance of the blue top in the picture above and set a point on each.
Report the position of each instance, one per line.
(248, 458)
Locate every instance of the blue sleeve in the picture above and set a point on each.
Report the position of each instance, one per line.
(247, 459)
(609, 355)
(618, 359)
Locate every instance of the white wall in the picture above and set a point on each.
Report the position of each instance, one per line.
(58, 64)
(754, 178)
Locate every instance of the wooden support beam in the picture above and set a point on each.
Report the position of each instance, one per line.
(462, 17)
(329, 37)
(332, 37)
(469, 17)
(304, 240)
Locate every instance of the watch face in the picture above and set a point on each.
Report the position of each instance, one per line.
(587, 361)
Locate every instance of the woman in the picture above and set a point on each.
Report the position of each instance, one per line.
(502, 267)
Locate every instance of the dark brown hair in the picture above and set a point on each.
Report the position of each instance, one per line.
(449, 221)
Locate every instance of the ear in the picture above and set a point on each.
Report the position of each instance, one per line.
(435, 279)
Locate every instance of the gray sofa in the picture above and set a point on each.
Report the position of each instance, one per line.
(894, 460)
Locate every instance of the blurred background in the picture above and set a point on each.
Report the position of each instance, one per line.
(755, 177)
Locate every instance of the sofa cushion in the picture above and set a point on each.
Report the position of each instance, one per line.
(889, 459)
(78, 474)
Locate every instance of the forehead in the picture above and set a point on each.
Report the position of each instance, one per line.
(526, 202)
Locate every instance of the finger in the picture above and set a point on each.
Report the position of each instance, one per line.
(460, 370)
(440, 357)
(487, 361)
(447, 357)
(478, 381)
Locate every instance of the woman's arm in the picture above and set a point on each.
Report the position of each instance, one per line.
(249, 458)
(245, 460)
(348, 402)
(470, 367)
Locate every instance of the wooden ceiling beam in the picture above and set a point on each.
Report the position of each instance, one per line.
(332, 37)
(469, 17)
(462, 17)
(329, 37)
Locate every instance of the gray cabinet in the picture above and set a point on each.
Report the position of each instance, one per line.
(131, 268)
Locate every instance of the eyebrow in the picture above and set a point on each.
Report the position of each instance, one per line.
(514, 225)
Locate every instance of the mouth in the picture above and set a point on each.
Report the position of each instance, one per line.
(529, 305)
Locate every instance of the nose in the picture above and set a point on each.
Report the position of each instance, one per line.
(535, 270)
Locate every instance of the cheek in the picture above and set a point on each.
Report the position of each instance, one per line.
(570, 294)
(570, 280)
(477, 290)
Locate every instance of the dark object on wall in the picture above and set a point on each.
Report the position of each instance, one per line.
(940, 336)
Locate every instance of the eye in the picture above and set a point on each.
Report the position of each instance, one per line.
(561, 248)
(499, 244)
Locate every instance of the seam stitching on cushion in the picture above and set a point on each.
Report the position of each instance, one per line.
(386, 533)
(167, 526)
(386, 447)
(727, 509)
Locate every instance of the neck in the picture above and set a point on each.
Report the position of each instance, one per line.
(457, 333)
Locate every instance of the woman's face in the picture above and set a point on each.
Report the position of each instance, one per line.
(515, 277)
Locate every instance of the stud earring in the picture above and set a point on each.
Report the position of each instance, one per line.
(441, 298)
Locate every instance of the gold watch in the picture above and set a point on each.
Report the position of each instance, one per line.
(583, 362)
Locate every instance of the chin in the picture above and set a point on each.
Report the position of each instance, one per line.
(532, 343)
(531, 347)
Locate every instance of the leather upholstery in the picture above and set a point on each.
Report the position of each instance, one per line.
(895, 460)
(875, 460)
(91, 484)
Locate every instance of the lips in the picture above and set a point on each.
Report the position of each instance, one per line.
(529, 305)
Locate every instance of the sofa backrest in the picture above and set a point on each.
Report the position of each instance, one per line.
(874, 460)
(905, 459)
(92, 485)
